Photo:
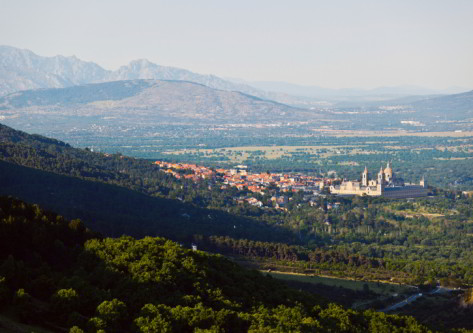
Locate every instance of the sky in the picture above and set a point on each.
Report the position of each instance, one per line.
(330, 43)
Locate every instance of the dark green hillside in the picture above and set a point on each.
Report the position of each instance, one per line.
(118, 195)
(54, 274)
(55, 156)
(136, 174)
(114, 210)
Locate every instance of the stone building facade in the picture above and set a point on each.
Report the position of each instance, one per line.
(384, 185)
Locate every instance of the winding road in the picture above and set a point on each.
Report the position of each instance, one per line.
(410, 299)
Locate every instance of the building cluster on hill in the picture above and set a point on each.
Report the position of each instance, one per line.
(240, 178)
(385, 185)
(197, 172)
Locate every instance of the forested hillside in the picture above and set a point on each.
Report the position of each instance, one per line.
(119, 195)
(56, 274)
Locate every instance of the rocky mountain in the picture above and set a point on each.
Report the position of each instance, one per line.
(25, 70)
(144, 69)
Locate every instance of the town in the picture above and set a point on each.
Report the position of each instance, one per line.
(386, 184)
(259, 183)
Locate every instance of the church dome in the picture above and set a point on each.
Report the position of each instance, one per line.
(388, 172)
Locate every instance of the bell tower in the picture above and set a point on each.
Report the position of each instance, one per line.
(364, 177)
(381, 176)
(423, 183)
(388, 173)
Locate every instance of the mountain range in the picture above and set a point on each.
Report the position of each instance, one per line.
(22, 69)
(143, 95)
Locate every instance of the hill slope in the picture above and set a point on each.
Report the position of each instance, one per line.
(115, 194)
(152, 101)
(54, 273)
(452, 107)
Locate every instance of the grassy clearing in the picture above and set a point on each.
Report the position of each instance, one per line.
(411, 214)
(419, 210)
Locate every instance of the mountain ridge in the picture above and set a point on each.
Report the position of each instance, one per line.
(168, 99)
(22, 69)
(30, 71)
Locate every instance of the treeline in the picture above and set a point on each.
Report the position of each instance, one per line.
(284, 252)
(345, 262)
(55, 274)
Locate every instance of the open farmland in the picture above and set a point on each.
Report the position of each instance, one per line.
(242, 154)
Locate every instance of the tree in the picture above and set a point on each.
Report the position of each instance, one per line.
(23, 305)
(113, 313)
(4, 292)
(152, 320)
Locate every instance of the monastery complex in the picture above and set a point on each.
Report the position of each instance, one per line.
(384, 185)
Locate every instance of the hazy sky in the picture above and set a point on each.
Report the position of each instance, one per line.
(328, 43)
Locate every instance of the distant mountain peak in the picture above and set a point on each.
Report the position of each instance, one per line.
(142, 61)
(21, 69)
(24, 70)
